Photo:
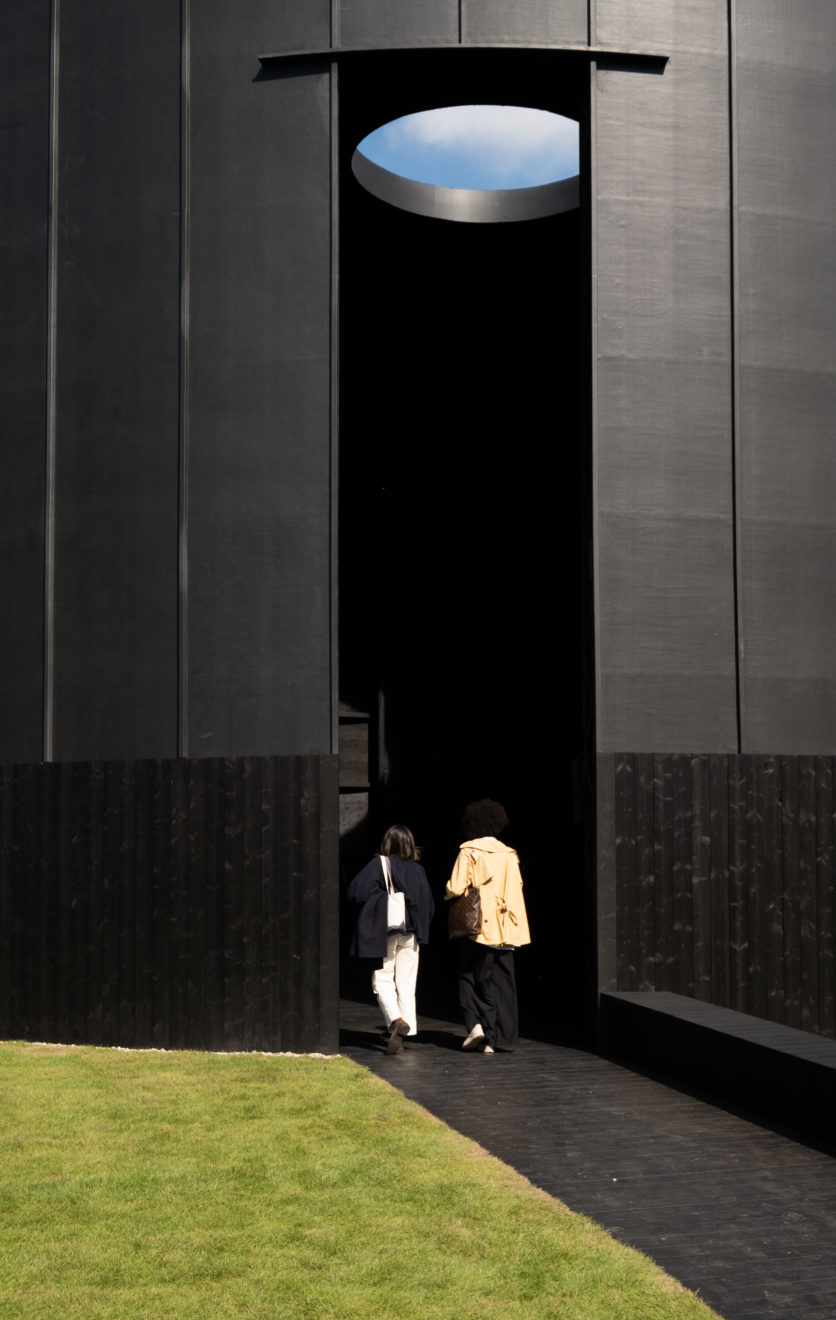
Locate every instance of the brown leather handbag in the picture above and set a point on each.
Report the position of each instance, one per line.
(464, 917)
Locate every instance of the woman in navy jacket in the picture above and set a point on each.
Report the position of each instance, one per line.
(395, 980)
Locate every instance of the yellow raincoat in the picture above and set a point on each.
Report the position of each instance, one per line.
(494, 869)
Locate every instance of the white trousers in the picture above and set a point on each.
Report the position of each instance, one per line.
(394, 983)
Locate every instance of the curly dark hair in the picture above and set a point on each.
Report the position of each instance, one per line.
(484, 817)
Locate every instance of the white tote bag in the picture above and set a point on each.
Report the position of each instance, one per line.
(396, 905)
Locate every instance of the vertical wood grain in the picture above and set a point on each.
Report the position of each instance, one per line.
(682, 906)
(720, 898)
(773, 898)
(214, 880)
(253, 879)
(755, 897)
(701, 875)
(738, 892)
(825, 893)
(808, 893)
(663, 869)
(628, 931)
(643, 796)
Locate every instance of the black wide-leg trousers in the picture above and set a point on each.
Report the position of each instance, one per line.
(488, 992)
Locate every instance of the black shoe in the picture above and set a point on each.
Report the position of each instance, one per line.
(397, 1031)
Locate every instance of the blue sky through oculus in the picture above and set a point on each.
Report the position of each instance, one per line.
(477, 146)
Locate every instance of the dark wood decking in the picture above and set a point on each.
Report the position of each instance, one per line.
(741, 1214)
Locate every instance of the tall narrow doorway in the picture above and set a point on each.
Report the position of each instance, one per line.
(462, 560)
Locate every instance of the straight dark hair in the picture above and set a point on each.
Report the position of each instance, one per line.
(398, 842)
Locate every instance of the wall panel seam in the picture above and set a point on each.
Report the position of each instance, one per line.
(51, 390)
(183, 475)
(334, 435)
(734, 381)
(590, 166)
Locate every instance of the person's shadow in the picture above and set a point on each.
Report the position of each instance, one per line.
(374, 1042)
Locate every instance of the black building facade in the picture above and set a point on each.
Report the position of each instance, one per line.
(318, 513)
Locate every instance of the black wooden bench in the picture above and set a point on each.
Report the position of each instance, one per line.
(780, 1072)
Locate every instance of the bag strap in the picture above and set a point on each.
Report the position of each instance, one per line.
(387, 874)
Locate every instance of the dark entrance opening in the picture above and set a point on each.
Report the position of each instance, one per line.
(463, 549)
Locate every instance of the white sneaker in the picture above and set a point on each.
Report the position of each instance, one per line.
(476, 1039)
(489, 1049)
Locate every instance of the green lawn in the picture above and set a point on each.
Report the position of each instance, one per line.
(175, 1185)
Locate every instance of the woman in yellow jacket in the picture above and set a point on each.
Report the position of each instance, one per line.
(487, 981)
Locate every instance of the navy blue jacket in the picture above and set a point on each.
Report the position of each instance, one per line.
(368, 890)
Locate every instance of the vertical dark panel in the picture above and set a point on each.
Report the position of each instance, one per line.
(44, 935)
(807, 892)
(738, 892)
(682, 899)
(80, 878)
(825, 894)
(635, 872)
(701, 876)
(663, 868)
(215, 871)
(310, 931)
(180, 904)
(258, 472)
(26, 828)
(24, 168)
(166, 828)
(790, 884)
(117, 382)
(66, 898)
(8, 915)
(773, 898)
(145, 773)
(326, 896)
(126, 985)
(17, 891)
(626, 928)
(756, 898)
(252, 879)
(289, 906)
(765, 900)
(180, 934)
(94, 961)
(786, 317)
(111, 900)
(720, 895)
(14, 892)
(234, 907)
(197, 775)
(606, 896)
(662, 399)
(643, 795)
(270, 939)
(741, 881)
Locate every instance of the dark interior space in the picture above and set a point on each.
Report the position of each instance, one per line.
(463, 535)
